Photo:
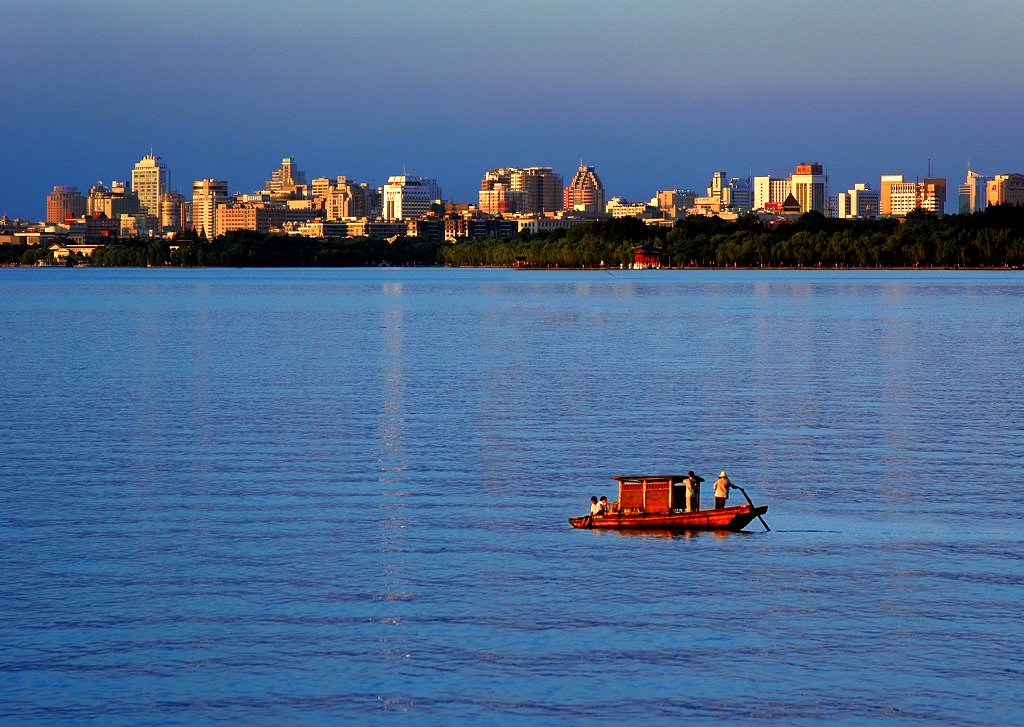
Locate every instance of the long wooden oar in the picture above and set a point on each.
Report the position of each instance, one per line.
(737, 487)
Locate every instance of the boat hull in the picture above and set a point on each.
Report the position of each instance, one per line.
(731, 519)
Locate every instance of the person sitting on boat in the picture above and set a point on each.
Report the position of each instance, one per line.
(722, 485)
(595, 507)
(603, 504)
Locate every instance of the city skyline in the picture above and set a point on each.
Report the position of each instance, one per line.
(222, 92)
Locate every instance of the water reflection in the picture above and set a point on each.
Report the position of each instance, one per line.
(677, 534)
(391, 464)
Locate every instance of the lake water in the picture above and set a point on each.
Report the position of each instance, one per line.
(301, 496)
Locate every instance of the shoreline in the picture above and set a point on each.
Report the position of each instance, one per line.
(738, 268)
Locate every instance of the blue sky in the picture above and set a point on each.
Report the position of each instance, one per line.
(654, 94)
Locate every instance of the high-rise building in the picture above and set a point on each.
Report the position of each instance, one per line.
(903, 196)
(673, 203)
(407, 197)
(861, 202)
(287, 176)
(150, 180)
(585, 193)
(172, 206)
(532, 190)
(770, 192)
(717, 190)
(972, 193)
(889, 181)
(933, 195)
(113, 202)
(320, 187)
(899, 197)
(345, 199)
(63, 203)
(809, 186)
(207, 194)
(1006, 189)
(541, 187)
(500, 199)
(738, 195)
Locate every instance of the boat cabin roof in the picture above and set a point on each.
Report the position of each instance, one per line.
(637, 478)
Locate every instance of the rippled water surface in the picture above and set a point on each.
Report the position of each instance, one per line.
(272, 497)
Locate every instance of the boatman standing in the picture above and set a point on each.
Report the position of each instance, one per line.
(692, 483)
(722, 485)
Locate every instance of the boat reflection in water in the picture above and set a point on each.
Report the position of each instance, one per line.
(676, 534)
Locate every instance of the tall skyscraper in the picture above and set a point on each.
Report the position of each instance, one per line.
(972, 193)
(206, 195)
(809, 186)
(172, 205)
(716, 192)
(407, 197)
(64, 202)
(532, 190)
(288, 175)
(150, 180)
(585, 193)
(541, 188)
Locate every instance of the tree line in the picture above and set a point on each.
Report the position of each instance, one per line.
(991, 238)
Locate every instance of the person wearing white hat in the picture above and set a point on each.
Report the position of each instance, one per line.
(722, 485)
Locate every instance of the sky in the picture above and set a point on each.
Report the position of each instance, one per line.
(654, 94)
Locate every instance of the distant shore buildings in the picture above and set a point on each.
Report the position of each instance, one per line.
(510, 201)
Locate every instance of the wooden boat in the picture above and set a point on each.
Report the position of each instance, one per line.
(667, 502)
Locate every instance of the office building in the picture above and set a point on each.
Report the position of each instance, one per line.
(898, 197)
(861, 202)
(64, 203)
(888, 182)
(407, 197)
(585, 193)
(501, 199)
(933, 195)
(809, 186)
(619, 207)
(172, 206)
(1006, 189)
(286, 177)
(150, 181)
(718, 189)
(207, 196)
(673, 203)
(972, 193)
(770, 192)
(113, 202)
(738, 195)
(531, 190)
(541, 187)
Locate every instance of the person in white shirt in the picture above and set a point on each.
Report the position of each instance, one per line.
(722, 485)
